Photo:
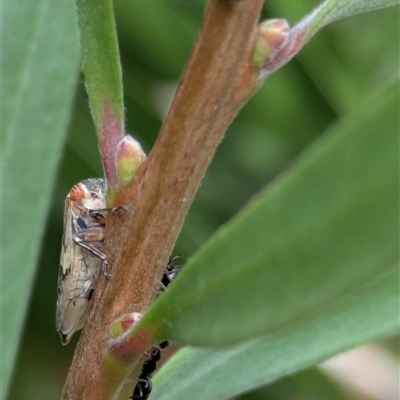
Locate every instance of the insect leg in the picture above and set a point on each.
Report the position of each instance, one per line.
(99, 214)
(142, 389)
(93, 235)
(170, 272)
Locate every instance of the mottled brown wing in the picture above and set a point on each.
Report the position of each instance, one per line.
(78, 274)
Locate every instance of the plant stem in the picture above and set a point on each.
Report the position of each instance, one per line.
(218, 78)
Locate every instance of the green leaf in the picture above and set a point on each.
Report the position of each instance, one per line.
(40, 69)
(325, 229)
(370, 313)
(329, 280)
(333, 10)
(100, 59)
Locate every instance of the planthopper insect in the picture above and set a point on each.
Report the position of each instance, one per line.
(81, 254)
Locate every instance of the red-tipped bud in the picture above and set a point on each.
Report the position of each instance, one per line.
(271, 36)
(124, 324)
(129, 156)
(126, 342)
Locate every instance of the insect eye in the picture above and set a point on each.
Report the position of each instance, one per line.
(76, 192)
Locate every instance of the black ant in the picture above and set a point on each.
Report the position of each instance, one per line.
(143, 386)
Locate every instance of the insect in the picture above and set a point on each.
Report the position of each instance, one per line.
(81, 254)
(143, 386)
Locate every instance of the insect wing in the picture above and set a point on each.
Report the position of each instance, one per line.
(79, 267)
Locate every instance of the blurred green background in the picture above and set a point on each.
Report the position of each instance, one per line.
(342, 65)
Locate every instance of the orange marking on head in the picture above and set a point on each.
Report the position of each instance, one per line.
(76, 192)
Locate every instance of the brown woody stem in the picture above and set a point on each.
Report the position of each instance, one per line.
(217, 80)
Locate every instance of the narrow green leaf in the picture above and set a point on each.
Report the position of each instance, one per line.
(100, 58)
(103, 77)
(369, 313)
(314, 237)
(334, 10)
(40, 63)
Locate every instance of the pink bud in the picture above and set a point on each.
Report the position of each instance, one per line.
(129, 156)
(271, 36)
(124, 324)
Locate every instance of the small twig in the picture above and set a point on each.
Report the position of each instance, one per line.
(217, 80)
